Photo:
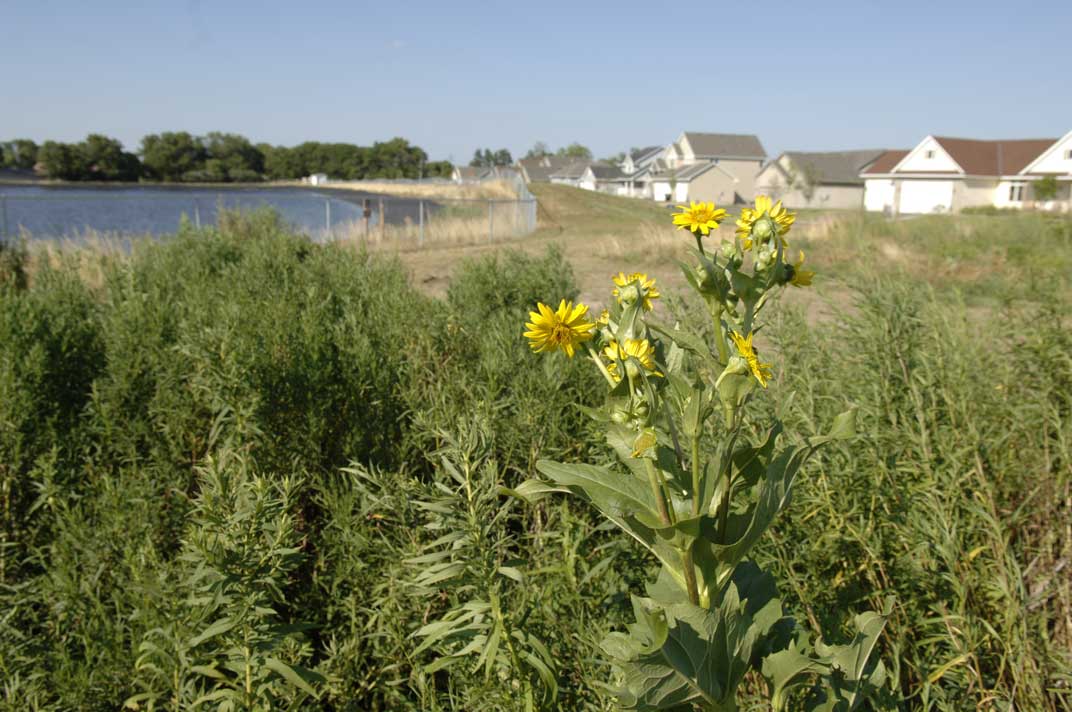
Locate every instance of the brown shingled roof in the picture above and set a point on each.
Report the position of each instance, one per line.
(993, 158)
(886, 162)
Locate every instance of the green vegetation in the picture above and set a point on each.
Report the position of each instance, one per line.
(218, 158)
(244, 468)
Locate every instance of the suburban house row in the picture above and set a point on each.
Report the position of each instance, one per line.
(940, 174)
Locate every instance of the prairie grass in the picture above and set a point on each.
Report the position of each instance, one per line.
(237, 455)
(493, 189)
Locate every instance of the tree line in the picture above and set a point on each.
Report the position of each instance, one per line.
(178, 156)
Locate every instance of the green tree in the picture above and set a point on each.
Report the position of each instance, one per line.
(20, 153)
(575, 150)
(538, 150)
(62, 161)
(1045, 188)
(105, 159)
(486, 158)
(236, 158)
(170, 155)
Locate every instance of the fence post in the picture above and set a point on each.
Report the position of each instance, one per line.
(327, 216)
(197, 216)
(420, 221)
(3, 216)
(383, 222)
(366, 211)
(491, 221)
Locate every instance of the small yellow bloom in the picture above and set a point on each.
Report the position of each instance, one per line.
(782, 218)
(762, 371)
(640, 349)
(563, 328)
(604, 318)
(647, 285)
(801, 277)
(699, 217)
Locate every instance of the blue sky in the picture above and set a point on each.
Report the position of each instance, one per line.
(452, 76)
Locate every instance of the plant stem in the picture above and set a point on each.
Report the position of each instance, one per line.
(657, 491)
(699, 243)
(696, 494)
(690, 577)
(599, 363)
(720, 336)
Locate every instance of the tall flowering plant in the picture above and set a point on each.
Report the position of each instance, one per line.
(695, 487)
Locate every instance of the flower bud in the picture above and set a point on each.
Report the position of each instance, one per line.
(763, 229)
(620, 416)
(641, 409)
(629, 295)
(632, 369)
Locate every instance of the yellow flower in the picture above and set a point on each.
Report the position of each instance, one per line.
(648, 289)
(699, 217)
(563, 328)
(800, 277)
(782, 218)
(640, 349)
(762, 371)
(604, 318)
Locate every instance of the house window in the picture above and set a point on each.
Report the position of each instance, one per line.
(929, 154)
(1016, 192)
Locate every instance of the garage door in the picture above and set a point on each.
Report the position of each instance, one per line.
(926, 196)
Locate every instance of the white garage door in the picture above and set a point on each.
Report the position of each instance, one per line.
(926, 196)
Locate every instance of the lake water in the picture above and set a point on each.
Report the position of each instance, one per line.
(68, 212)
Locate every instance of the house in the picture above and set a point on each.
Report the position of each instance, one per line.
(945, 174)
(829, 179)
(710, 167)
(475, 174)
(317, 179)
(638, 167)
(879, 191)
(539, 170)
(469, 174)
(569, 173)
(603, 177)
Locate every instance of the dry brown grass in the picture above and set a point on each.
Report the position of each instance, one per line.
(494, 189)
(89, 254)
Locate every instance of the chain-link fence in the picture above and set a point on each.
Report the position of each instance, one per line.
(74, 214)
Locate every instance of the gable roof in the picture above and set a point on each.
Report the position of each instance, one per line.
(685, 173)
(1028, 169)
(716, 145)
(835, 167)
(993, 158)
(886, 162)
(571, 170)
(539, 170)
(605, 171)
(639, 153)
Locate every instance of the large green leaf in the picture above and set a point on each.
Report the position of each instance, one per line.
(837, 678)
(677, 654)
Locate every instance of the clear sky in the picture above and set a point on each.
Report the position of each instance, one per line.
(452, 76)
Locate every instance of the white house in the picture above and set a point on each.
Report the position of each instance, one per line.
(317, 179)
(943, 174)
(828, 179)
(603, 177)
(709, 167)
(638, 167)
(570, 173)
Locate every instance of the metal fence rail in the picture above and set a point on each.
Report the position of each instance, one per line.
(407, 223)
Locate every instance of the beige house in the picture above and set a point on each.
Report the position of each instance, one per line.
(711, 167)
(828, 179)
(944, 174)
